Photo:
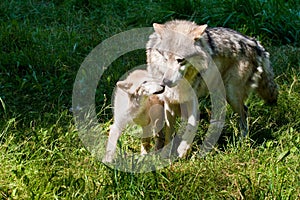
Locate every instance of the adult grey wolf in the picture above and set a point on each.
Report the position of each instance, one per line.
(181, 48)
(135, 100)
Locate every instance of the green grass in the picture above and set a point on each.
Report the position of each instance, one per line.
(43, 44)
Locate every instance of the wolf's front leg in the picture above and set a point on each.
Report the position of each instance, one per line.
(171, 112)
(191, 128)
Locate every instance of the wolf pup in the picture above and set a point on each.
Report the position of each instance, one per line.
(241, 61)
(135, 101)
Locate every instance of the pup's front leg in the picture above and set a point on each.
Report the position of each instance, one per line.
(145, 146)
(155, 111)
(114, 134)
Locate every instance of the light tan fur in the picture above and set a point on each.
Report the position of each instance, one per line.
(134, 101)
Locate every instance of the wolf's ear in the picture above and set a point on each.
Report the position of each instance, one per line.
(158, 28)
(197, 32)
(125, 86)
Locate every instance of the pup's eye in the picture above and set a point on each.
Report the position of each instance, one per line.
(162, 53)
(158, 51)
(144, 82)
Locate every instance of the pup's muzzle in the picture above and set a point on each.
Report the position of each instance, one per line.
(160, 91)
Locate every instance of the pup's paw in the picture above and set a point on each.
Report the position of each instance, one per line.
(107, 159)
(183, 148)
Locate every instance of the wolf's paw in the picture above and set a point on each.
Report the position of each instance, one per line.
(183, 148)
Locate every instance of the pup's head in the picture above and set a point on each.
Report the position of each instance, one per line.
(147, 88)
(176, 49)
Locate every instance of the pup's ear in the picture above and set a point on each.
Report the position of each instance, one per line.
(197, 32)
(125, 86)
(158, 28)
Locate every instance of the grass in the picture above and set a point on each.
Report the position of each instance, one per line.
(43, 44)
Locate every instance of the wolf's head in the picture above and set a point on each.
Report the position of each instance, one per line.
(172, 50)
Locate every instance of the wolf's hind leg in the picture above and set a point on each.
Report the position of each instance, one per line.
(235, 100)
(145, 146)
(244, 125)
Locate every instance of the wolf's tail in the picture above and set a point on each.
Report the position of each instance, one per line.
(266, 86)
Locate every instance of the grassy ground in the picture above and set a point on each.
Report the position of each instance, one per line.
(43, 44)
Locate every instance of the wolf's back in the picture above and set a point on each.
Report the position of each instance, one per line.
(227, 43)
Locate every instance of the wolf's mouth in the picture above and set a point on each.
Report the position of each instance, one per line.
(160, 91)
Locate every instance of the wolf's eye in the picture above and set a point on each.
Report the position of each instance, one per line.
(180, 60)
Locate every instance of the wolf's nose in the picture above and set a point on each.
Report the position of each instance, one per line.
(166, 82)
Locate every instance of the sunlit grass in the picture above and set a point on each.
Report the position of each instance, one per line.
(43, 44)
